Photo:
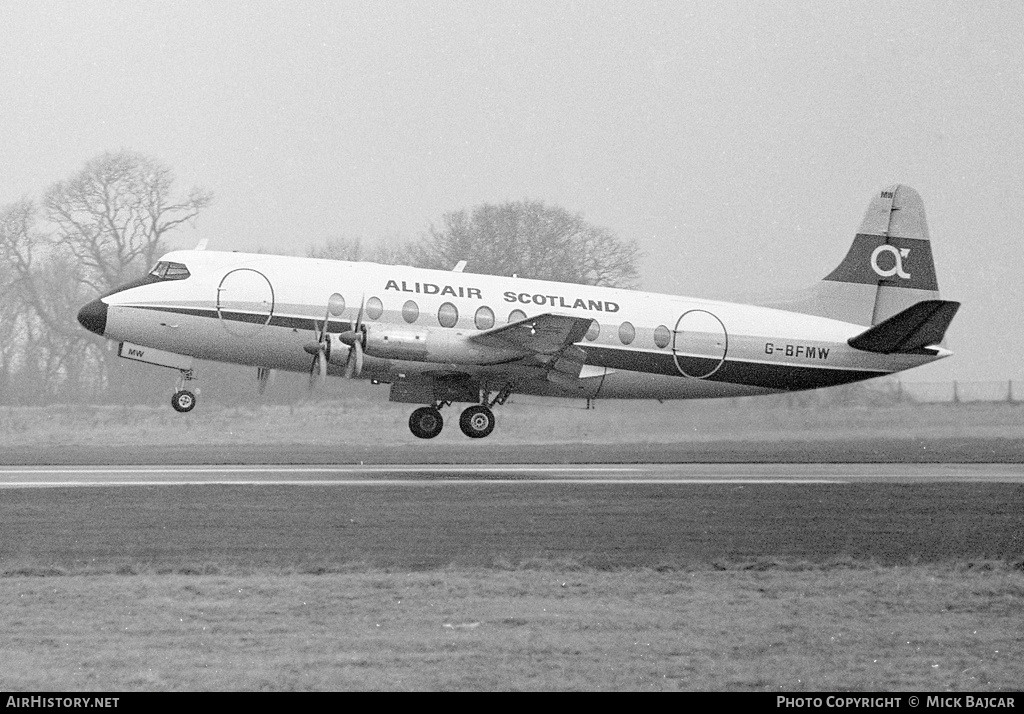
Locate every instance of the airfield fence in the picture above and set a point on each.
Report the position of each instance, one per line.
(954, 391)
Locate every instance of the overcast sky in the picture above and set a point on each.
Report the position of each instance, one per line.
(738, 144)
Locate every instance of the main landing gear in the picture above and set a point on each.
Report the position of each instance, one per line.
(183, 399)
(476, 421)
(426, 422)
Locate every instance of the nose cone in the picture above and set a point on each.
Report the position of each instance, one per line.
(94, 317)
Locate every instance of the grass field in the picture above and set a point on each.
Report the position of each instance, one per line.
(548, 627)
(367, 418)
(546, 624)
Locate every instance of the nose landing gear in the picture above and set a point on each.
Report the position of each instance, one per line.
(183, 399)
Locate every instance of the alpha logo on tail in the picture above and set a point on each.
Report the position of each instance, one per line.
(897, 256)
(882, 260)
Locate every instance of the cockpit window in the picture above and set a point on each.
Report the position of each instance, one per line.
(166, 270)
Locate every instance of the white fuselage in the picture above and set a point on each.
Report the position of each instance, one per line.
(262, 310)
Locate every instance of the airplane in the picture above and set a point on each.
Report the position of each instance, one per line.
(442, 337)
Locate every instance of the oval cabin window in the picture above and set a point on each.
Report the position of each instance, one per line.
(374, 308)
(410, 311)
(447, 315)
(627, 333)
(662, 336)
(484, 318)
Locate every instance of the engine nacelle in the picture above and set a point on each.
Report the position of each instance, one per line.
(396, 343)
(429, 345)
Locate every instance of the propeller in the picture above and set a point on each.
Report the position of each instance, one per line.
(355, 339)
(321, 349)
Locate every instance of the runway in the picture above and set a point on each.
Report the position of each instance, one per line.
(415, 516)
(476, 474)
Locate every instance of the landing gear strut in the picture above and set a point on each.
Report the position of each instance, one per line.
(183, 399)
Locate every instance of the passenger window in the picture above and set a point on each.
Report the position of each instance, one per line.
(447, 315)
(374, 308)
(336, 304)
(484, 318)
(662, 336)
(594, 331)
(626, 333)
(516, 316)
(410, 311)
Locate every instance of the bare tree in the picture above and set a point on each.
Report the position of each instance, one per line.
(340, 248)
(384, 251)
(21, 243)
(44, 351)
(109, 222)
(532, 240)
(114, 213)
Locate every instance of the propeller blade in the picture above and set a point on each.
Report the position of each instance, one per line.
(318, 370)
(323, 332)
(312, 373)
(359, 317)
(354, 363)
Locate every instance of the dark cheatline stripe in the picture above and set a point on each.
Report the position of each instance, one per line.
(788, 377)
(300, 323)
(751, 374)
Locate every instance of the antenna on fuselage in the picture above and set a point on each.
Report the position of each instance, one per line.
(459, 267)
(201, 245)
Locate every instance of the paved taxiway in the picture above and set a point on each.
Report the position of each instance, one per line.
(475, 474)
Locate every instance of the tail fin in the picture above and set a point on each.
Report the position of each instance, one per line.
(888, 268)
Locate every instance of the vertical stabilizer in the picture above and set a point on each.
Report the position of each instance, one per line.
(888, 268)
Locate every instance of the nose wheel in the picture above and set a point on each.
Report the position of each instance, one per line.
(183, 401)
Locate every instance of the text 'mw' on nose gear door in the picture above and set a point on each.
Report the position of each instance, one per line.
(699, 344)
(245, 302)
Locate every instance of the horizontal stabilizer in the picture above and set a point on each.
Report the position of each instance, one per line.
(920, 325)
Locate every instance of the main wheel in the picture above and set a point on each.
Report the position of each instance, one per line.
(477, 422)
(183, 401)
(426, 423)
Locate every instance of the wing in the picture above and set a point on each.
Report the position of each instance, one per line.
(546, 341)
